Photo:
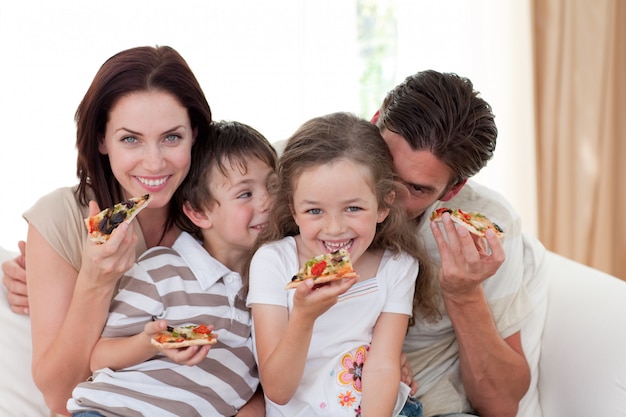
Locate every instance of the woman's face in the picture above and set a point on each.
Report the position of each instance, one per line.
(148, 139)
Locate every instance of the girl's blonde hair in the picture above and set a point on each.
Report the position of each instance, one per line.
(328, 138)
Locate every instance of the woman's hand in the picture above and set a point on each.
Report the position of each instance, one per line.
(105, 263)
(14, 279)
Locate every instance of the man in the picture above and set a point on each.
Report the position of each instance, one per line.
(440, 133)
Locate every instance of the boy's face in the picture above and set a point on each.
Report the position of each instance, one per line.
(241, 205)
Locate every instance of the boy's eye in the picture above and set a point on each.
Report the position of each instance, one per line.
(353, 208)
(246, 194)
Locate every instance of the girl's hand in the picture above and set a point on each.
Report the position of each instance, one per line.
(189, 356)
(105, 263)
(314, 301)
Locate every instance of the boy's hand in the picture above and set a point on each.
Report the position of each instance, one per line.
(189, 356)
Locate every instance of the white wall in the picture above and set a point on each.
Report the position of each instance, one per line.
(272, 64)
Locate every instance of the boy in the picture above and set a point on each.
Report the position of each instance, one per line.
(225, 200)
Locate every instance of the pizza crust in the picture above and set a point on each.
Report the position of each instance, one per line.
(184, 343)
(322, 279)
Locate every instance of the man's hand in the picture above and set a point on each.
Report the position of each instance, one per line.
(465, 262)
(406, 374)
(14, 279)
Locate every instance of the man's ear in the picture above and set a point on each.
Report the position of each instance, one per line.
(200, 218)
(454, 190)
(375, 117)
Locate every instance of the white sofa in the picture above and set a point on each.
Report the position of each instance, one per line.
(582, 364)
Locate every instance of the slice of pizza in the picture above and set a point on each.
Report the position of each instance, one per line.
(101, 225)
(183, 336)
(325, 268)
(474, 221)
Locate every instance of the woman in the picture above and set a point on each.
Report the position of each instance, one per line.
(136, 127)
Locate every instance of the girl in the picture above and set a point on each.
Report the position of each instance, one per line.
(334, 350)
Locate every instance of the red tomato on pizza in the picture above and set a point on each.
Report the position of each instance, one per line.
(325, 268)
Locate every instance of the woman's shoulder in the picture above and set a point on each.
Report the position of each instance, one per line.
(64, 198)
(59, 217)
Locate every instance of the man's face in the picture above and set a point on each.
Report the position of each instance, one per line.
(425, 176)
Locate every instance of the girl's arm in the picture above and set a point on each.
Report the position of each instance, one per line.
(69, 308)
(381, 372)
(282, 338)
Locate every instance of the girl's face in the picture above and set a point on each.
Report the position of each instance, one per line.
(240, 210)
(334, 206)
(148, 139)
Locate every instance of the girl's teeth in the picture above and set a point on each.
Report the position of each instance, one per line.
(331, 247)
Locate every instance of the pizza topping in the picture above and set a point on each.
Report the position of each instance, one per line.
(475, 222)
(101, 225)
(336, 265)
(186, 333)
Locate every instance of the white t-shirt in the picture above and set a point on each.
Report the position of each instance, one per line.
(432, 348)
(341, 336)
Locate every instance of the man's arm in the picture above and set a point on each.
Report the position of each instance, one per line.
(494, 371)
(487, 360)
(255, 407)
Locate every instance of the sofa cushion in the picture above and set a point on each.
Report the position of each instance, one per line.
(582, 369)
(20, 396)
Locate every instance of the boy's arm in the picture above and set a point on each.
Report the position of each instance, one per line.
(123, 352)
(381, 372)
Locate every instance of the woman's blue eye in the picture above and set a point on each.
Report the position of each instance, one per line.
(314, 211)
(172, 138)
(129, 139)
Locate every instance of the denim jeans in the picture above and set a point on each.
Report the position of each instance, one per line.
(412, 408)
(87, 414)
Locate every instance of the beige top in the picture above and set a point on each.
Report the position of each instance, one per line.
(59, 217)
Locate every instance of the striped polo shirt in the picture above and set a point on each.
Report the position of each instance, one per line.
(182, 285)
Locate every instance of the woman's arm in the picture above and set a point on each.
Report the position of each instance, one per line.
(381, 372)
(69, 308)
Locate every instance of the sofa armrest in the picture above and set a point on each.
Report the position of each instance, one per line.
(582, 368)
